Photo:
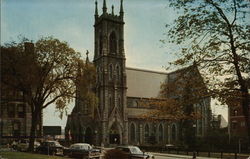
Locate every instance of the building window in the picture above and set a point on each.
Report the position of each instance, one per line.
(132, 132)
(160, 133)
(16, 128)
(110, 72)
(112, 43)
(117, 72)
(85, 108)
(98, 74)
(110, 103)
(21, 110)
(199, 127)
(100, 45)
(242, 124)
(234, 125)
(119, 102)
(135, 103)
(235, 113)
(146, 135)
(11, 110)
(173, 132)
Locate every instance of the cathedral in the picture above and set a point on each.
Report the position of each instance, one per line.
(119, 89)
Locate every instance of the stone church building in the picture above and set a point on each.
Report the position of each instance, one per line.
(116, 119)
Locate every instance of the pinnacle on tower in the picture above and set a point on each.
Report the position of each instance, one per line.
(121, 9)
(87, 57)
(112, 9)
(104, 8)
(96, 9)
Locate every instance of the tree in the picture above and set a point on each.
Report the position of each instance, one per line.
(179, 100)
(46, 74)
(215, 34)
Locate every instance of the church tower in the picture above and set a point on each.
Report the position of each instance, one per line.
(111, 88)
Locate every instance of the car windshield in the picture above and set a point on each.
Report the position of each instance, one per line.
(80, 147)
(24, 141)
(51, 143)
(135, 150)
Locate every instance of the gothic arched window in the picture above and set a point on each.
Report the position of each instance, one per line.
(117, 70)
(146, 135)
(110, 71)
(98, 74)
(112, 43)
(160, 133)
(100, 44)
(132, 132)
(110, 103)
(119, 102)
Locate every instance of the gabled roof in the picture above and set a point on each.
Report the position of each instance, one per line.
(144, 83)
(147, 83)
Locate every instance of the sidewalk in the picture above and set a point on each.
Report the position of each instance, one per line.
(179, 156)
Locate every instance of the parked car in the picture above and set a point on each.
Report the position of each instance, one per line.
(134, 152)
(82, 150)
(23, 145)
(50, 147)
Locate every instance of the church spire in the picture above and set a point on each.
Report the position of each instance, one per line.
(104, 8)
(96, 9)
(121, 9)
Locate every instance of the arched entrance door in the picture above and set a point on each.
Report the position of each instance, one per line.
(88, 136)
(114, 136)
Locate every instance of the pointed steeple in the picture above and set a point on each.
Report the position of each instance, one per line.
(96, 9)
(104, 8)
(87, 57)
(112, 9)
(121, 9)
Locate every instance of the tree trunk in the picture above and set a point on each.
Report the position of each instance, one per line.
(246, 112)
(243, 86)
(33, 131)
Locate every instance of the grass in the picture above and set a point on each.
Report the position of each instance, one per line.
(24, 155)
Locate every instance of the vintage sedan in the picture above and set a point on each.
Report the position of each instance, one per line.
(134, 152)
(82, 150)
(50, 147)
(23, 145)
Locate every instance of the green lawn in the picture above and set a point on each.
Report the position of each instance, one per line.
(24, 155)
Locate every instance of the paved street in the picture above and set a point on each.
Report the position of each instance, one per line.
(172, 156)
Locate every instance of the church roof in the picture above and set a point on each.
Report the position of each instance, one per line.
(144, 83)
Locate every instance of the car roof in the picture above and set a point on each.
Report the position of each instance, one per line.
(128, 146)
(81, 144)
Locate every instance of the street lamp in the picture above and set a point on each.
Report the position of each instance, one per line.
(194, 152)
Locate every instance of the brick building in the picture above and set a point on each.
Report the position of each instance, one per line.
(15, 113)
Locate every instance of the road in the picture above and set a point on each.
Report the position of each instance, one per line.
(171, 156)
(164, 157)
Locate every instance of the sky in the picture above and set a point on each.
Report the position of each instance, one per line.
(72, 21)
